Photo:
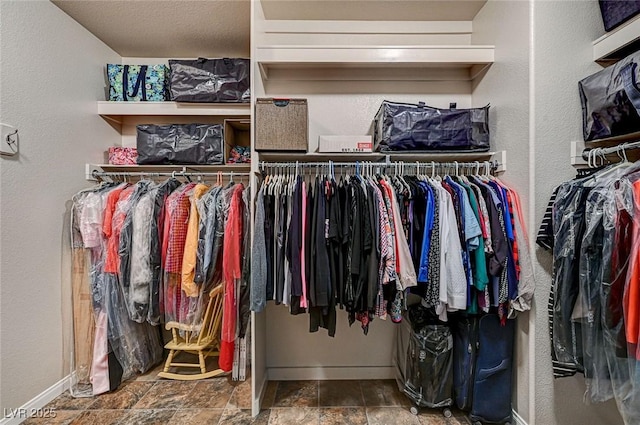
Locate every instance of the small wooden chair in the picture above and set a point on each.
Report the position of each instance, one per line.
(205, 344)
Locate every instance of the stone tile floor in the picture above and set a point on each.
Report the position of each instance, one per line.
(150, 400)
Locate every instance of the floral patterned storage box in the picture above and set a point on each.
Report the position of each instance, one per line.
(122, 156)
(138, 82)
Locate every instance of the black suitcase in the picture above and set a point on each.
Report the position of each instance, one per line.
(428, 378)
(465, 346)
(492, 388)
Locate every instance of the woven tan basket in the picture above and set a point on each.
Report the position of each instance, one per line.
(282, 125)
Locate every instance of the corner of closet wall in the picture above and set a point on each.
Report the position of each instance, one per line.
(505, 85)
(49, 93)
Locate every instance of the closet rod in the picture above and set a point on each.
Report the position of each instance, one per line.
(606, 151)
(265, 164)
(167, 174)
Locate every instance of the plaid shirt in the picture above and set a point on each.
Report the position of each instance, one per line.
(178, 205)
(176, 222)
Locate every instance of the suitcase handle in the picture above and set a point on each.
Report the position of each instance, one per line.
(485, 373)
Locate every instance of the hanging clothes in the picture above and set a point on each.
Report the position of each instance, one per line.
(593, 301)
(361, 243)
(156, 251)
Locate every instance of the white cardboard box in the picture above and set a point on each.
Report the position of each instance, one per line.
(345, 144)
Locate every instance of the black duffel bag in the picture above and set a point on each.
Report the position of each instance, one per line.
(611, 100)
(210, 80)
(409, 127)
(180, 144)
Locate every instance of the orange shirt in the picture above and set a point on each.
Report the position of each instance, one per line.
(112, 200)
(631, 298)
(112, 259)
(191, 245)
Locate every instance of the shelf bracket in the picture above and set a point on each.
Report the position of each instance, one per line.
(501, 158)
(90, 169)
(9, 140)
(577, 148)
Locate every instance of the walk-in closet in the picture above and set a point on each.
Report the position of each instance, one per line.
(289, 271)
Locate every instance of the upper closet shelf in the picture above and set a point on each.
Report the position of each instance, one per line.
(116, 110)
(374, 63)
(618, 43)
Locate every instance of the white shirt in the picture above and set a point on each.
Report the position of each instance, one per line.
(91, 218)
(453, 281)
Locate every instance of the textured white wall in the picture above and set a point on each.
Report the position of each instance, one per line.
(52, 74)
(563, 34)
(505, 24)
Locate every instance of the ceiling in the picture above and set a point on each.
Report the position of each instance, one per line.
(219, 28)
(165, 29)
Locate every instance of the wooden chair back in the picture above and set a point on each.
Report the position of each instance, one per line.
(212, 320)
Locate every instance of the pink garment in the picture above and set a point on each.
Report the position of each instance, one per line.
(231, 270)
(123, 156)
(100, 363)
(303, 300)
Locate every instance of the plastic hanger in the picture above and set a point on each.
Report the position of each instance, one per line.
(403, 182)
(615, 171)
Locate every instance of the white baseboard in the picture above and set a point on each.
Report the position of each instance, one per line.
(257, 401)
(517, 419)
(325, 373)
(17, 416)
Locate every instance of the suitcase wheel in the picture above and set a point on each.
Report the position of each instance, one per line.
(477, 423)
(447, 413)
(414, 410)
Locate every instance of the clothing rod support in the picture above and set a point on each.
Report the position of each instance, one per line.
(9, 139)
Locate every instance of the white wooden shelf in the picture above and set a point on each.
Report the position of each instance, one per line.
(373, 63)
(192, 168)
(618, 43)
(116, 110)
